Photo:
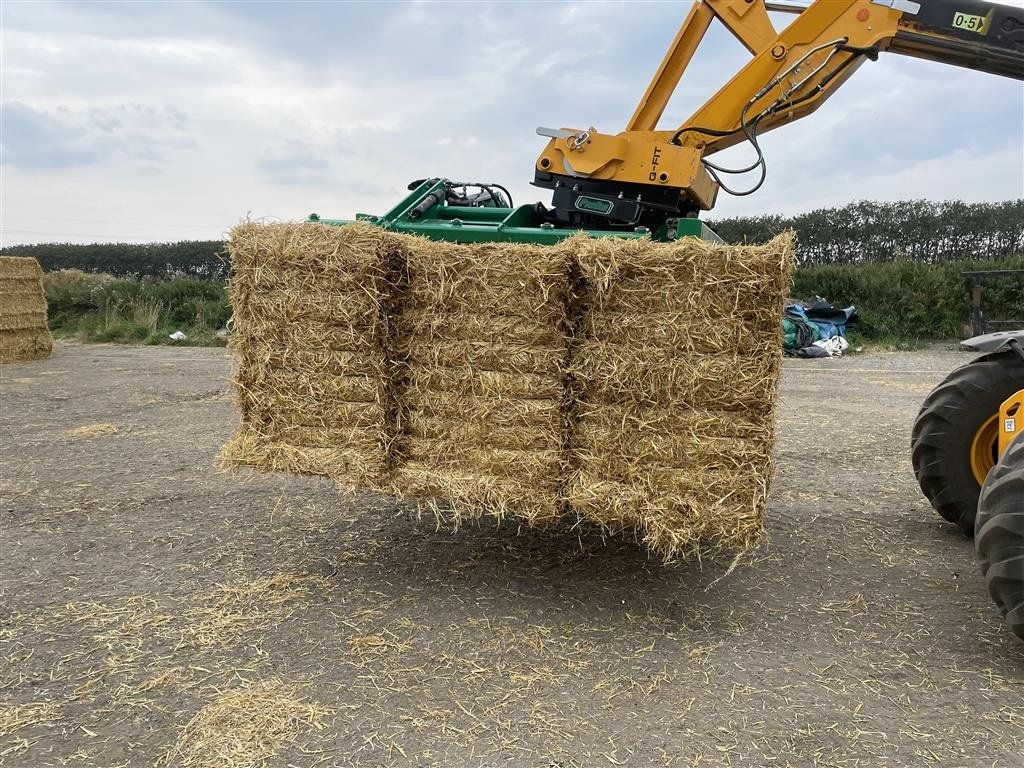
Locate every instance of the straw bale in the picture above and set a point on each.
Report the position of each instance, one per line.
(672, 330)
(527, 415)
(482, 324)
(299, 386)
(276, 416)
(21, 295)
(434, 427)
(657, 372)
(357, 333)
(18, 291)
(24, 333)
(343, 462)
(491, 384)
(310, 326)
(16, 321)
(483, 337)
(275, 356)
(12, 267)
(25, 344)
(674, 375)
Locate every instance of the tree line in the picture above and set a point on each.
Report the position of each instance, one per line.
(205, 259)
(911, 230)
(865, 231)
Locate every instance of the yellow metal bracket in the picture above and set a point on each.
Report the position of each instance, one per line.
(1011, 420)
(748, 22)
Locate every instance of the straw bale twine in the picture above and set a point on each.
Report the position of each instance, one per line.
(24, 333)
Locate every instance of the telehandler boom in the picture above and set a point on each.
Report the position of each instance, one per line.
(644, 175)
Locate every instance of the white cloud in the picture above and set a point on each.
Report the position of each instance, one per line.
(186, 117)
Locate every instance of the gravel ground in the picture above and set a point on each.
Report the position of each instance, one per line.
(158, 611)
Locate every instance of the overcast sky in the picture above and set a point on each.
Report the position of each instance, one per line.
(162, 121)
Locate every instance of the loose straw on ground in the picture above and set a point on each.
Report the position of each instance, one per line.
(246, 726)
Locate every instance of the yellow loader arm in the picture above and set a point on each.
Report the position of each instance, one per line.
(643, 176)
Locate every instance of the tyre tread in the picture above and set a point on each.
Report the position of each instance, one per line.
(1000, 540)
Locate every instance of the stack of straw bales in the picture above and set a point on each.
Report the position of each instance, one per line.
(310, 321)
(24, 333)
(483, 338)
(624, 382)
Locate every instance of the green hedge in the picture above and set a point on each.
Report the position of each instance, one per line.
(909, 230)
(908, 300)
(204, 259)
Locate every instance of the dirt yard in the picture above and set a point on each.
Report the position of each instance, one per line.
(158, 611)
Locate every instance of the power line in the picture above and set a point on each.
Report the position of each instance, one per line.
(107, 221)
(111, 238)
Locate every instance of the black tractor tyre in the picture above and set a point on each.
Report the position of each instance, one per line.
(999, 541)
(945, 428)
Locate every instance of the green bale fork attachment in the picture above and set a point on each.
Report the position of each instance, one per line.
(444, 210)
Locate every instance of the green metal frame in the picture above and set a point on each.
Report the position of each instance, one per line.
(490, 224)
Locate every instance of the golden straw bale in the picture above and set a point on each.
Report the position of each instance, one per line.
(21, 296)
(13, 267)
(274, 417)
(492, 385)
(301, 386)
(483, 337)
(527, 415)
(674, 374)
(25, 344)
(486, 355)
(24, 332)
(310, 324)
(481, 324)
(274, 356)
(22, 320)
(674, 330)
(657, 373)
(438, 427)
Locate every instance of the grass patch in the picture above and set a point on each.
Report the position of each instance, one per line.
(102, 308)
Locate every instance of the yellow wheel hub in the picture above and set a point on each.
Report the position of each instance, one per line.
(984, 448)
